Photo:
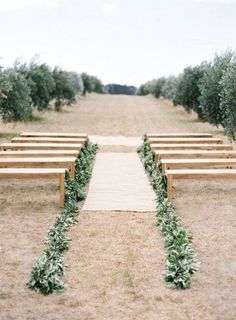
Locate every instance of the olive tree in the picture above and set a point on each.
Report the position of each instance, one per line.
(210, 88)
(142, 90)
(188, 91)
(40, 81)
(41, 84)
(16, 103)
(91, 84)
(63, 90)
(228, 100)
(170, 87)
(156, 87)
(75, 82)
(4, 84)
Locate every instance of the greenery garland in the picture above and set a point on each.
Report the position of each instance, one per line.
(181, 258)
(50, 267)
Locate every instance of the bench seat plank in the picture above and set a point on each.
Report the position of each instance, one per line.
(39, 153)
(185, 140)
(197, 163)
(199, 146)
(29, 173)
(196, 174)
(47, 140)
(202, 173)
(179, 135)
(163, 154)
(68, 163)
(42, 146)
(54, 134)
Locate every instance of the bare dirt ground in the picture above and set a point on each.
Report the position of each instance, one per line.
(116, 258)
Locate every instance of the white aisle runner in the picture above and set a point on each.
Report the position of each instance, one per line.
(119, 183)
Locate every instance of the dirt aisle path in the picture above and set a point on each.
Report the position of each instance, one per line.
(119, 183)
(116, 259)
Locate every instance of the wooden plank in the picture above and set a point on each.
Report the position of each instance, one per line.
(197, 163)
(191, 146)
(20, 173)
(47, 140)
(196, 174)
(167, 154)
(39, 153)
(179, 135)
(202, 173)
(54, 134)
(185, 140)
(170, 187)
(40, 146)
(68, 163)
(62, 189)
(28, 172)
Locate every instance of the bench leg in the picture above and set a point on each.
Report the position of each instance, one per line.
(164, 167)
(170, 187)
(72, 170)
(62, 189)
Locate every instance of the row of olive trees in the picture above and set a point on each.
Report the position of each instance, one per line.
(208, 89)
(114, 88)
(92, 84)
(28, 87)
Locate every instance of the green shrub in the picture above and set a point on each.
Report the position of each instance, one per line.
(49, 268)
(180, 260)
(46, 273)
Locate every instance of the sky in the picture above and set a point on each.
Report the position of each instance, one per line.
(119, 41)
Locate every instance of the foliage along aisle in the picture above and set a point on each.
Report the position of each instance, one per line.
(50, 267)
(181, 258)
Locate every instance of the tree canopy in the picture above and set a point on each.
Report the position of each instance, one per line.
(113, 88)
(209, 89)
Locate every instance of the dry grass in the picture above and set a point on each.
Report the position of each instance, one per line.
(116, 258)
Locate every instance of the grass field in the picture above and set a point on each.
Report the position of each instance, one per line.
(116, 258)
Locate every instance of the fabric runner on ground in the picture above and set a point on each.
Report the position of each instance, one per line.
(116, 141)
(119, 183)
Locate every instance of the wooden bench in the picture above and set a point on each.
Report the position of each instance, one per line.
(179, 135)
(20, 173)
(169, 154)
(185, 140)
(192, 146)
(54, 134)
(40, 146)
(47, 140)
(197, 163)
(68, 163)
(39, 153)
(196, 174)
